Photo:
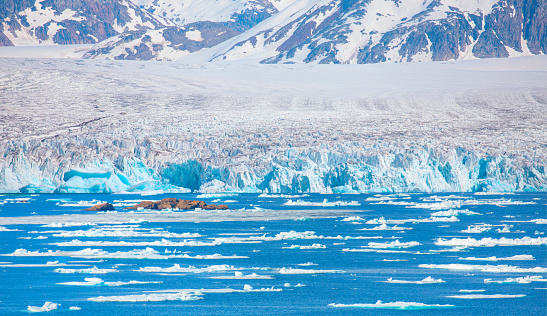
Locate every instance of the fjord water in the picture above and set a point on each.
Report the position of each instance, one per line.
(354, 247)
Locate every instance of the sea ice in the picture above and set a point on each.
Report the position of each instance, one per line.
(240, 276)
(306, 271)
(93, 270)
(163, 242)
(484, 268)
(494, 258)
(454, 212)
(325, 203)
(100, 282)
(48, 306)
(176, 268)
(395, 305)
(491, 242)
(428, 280)
(393, 244)
(526, 279)
(485, 296)
(314, 246)
(155, 297)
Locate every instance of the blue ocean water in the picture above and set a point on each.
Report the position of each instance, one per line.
(350, 271)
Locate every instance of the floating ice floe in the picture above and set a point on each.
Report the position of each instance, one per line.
(100, 282)
(540, 221)
(88, 253)
(240, 276)
(59, 225)
(154, 297)
(124, 232)
(454, 212)
(81, 203)
(307, 264)
(5, 229)
(306, 271)
(291, 235)
(394, 260)
(382, 220)
(428, 280)
(494, 258)
(472, 291)
(248, 288)
(287, 196)
(93, 270)
(393, 244)
(484, 268)
(385, 227)
(215, 195)
(352, 219)
(486, 296)
(33, 265)
(491, 242)
(48, 306)
(74, 308)
(325, 203)
(163, 242)
(526, 279)
(176, 268)
(374, 250)
(314, 246)
(395, 305)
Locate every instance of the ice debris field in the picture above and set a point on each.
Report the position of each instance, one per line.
(274, 254)
(90, 126)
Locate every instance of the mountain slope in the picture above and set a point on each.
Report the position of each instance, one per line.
(344, 31)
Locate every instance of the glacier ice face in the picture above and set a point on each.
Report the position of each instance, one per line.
(459, 131)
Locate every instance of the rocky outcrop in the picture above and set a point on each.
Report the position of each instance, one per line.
(101, 207)
(173, 203)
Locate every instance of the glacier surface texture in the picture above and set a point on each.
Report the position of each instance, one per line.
(119, 126)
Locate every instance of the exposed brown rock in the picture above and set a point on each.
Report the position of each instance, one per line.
(101, 207)
(169, 203)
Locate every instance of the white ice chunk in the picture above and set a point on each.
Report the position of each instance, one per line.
(154, 297)
(491, 242)
(306, 271)
(428, 280)
(494, 258)
(484, 268)
(395, 305)
(93, 270)
(48, 306)
(526, 279)
(325, 203)
(393, 244)
(485, 296)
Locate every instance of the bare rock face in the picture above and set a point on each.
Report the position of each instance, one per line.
(101, 207)
(170, 203)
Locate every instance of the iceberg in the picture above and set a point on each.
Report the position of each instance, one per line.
(48, 306)
(526, 279)
(93, 270)
(393, 244)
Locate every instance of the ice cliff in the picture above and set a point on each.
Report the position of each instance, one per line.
(107, 126)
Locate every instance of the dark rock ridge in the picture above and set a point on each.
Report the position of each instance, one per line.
(170, 203)
(72, 22)
(101, 207)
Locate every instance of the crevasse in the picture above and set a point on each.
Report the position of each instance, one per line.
(89, 167)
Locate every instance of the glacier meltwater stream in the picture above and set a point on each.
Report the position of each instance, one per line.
(275, 254)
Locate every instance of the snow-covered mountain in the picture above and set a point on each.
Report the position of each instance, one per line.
(370, 31)
(283, 31)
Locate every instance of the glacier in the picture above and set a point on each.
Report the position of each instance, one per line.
(78, 126)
